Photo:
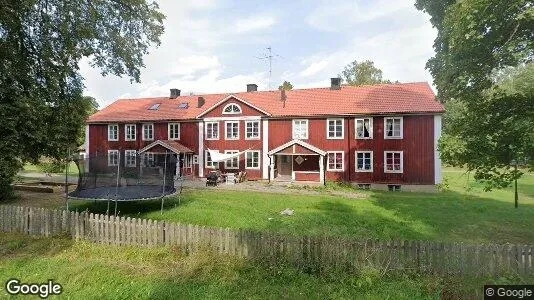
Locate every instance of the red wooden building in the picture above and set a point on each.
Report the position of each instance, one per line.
(379, 136)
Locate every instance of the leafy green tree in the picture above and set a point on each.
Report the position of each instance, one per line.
(483, 73)
(362, 73)
(285, 86)
(41, 44)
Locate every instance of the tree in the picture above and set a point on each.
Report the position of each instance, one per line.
(286, 86)
(362, 73)
(483, 74)
(42, 109)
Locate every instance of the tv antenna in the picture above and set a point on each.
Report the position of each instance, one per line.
(269, 57)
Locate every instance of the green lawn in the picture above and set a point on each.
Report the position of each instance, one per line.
(462, 213)
(91, 271)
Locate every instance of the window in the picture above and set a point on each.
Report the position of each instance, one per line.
(231, 163)
(130, 157)
(183, 105)
(209, 162)
(252, 130)
(334, 129)
(300, 129)
(364, 128)
(393, 128)
(231, 109)
(148, 132)
(113, 132)
(394, 187)
(252, 159)
(149, 159)
(393, 161)
(212, 130)
(232, 130)
(174, 131)
(335, 161)
(130, 133)
(188, 161)
(113, 158)
(154, 106)
(364, 161)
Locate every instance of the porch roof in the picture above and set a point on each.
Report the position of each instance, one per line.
(300, 143)
(171, 145)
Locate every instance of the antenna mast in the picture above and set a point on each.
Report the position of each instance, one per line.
(269, 56)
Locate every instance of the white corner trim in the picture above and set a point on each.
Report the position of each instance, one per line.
(201, 149)
(437, 159)
(265, 148)
(86, 142)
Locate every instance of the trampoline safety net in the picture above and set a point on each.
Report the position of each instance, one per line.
(126, 176)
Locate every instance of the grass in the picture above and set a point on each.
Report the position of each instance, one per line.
(462, 213)
(33, 168)
(108, 272)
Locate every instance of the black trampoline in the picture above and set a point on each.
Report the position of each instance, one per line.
(123, 193)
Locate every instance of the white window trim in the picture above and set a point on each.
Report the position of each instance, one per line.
(109, 127)
(293, 129)
(146, 156)
(126, 158)
(143, 132)
(226, 161)
(259, 130)
(401, 162)
(214, 164)
(118, 158)
(232, 113)
(401, 129)
(126, 132)
(342, 129)
(356, 162)
(169, 131)
(371, 132)
(259, 160)
(206, 131)
(226, 131)
(342, 161)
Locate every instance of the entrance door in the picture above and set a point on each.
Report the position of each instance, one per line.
(284, 165)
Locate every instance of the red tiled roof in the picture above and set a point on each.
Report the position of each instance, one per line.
(415, 97)
(169, 144)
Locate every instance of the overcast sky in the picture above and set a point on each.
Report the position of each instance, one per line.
(213, 46)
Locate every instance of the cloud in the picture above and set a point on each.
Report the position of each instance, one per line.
(254, 23)
(345, 14)
(191, 64)
(314, 68)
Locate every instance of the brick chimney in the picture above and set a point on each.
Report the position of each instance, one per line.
(283, 96)
(251, 87)
(175, 93)
(201, 101)
(335, 83)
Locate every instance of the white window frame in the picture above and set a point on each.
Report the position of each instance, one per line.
(169, 131)
(128, 154)
(293, 129)
(110, 163)
(144, 138)
(401, 162)
(356, 161)
(363, 123)
(231, 160)
(328, 128)
(206, 130)
(148, 156)
(116, 138)
(130, 138)
(213, 165)
(246, 130)
(226, 130)
(342, 161)
(246, 160)
(232, 112)
(401, 128)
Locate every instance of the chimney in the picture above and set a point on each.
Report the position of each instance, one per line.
(335, 83)
(175, 93)
(201, 101)
(283, 95)
(251, 87)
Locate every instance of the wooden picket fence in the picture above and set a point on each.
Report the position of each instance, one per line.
(309, 252)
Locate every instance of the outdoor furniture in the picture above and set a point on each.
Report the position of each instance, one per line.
(213, 178)
(230, 178)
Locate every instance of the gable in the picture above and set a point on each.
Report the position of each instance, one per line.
(296, 149)
(246, 109)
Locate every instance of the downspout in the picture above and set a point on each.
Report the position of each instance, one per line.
(270, 166)
(349, 150)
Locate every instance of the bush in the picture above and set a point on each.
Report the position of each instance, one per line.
(51, 166)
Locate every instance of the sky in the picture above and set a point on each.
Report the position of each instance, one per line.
(214, 46)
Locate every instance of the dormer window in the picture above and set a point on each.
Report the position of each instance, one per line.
(184, 105)
(231, 109)
(154, 106)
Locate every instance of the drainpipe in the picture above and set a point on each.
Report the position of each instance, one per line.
(270, 166)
